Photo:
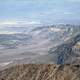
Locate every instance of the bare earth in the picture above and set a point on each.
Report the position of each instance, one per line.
(41, 72)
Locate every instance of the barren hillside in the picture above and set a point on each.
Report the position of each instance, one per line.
(41, 72)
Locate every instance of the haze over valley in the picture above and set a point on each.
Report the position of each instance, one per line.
(36, 44)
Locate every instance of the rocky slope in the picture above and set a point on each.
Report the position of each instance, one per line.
(65, 53)
(41, 72)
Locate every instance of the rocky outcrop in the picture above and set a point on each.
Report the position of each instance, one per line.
(64, 51)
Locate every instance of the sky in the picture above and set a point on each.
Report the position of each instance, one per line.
(40, 11)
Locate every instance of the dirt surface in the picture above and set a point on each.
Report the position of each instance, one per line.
(41, 72)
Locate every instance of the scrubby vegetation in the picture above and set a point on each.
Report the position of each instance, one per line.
(41, 72)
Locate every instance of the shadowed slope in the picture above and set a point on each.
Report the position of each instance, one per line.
(64, 51)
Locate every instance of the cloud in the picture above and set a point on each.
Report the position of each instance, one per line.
(18, 22)
(68, 13)
(8, 22)
(29, 22)
(73, 0)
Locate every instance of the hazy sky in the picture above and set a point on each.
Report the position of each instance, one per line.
(44, 11)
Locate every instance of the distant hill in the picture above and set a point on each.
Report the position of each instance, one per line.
(41, 72)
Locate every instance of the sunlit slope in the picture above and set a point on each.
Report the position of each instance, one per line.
(41, 72)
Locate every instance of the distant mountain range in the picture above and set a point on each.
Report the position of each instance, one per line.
(38, 44)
